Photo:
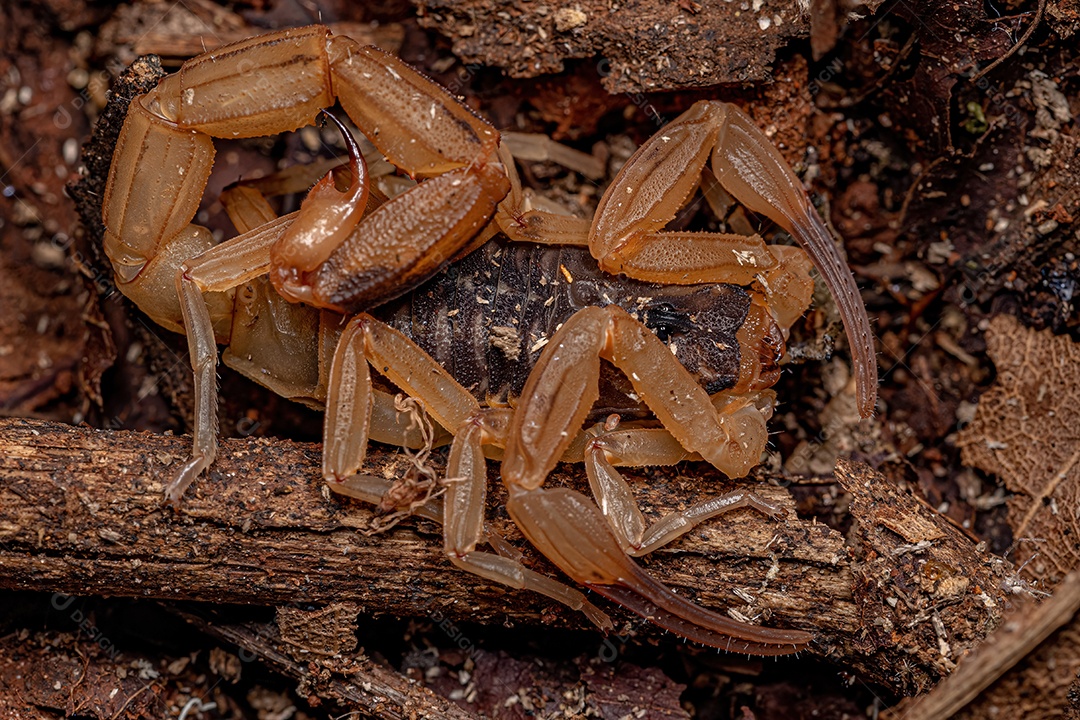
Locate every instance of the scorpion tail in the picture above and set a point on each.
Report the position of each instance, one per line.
(655, 602)
(570, 530)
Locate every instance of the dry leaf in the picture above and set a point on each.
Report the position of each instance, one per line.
(1025, 431)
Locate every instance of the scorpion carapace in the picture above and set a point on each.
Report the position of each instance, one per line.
(532, 338)
(486, 319)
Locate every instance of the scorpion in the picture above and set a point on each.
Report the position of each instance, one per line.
(291, 298)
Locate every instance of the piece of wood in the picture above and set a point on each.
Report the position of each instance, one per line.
(81, 512)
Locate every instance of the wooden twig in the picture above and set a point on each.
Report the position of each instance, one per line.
(81, 512)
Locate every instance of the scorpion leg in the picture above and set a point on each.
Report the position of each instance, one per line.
(650, 447)
(286, 354)
(372, 490)
(226, 266)
(367, 341)
(520, 222)
(563, 386)
(570, 529)
(464, 515)
(292, 370)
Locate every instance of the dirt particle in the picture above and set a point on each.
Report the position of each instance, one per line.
(570, 18)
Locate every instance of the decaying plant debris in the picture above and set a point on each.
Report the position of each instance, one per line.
(1025, 431)
(952, 178)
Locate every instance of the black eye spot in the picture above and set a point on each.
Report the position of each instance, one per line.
(665, 320)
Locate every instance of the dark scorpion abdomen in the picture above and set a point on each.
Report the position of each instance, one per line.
(487, 318)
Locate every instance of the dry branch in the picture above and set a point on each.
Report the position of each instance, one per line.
(82, 513)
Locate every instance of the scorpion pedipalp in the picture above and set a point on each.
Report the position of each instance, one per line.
(628, 233)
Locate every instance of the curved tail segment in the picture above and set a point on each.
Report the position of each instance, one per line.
(570, 531)
(665, 609)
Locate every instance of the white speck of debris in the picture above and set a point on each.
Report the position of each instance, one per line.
(744, 595)
(453, 312)
(566, 274)
(507, 340)
(189, 96)
(391, 71)
(482, 301)
(146, 670)
(745, 257)
(71, 151)
(764, 22)
(538, 344)
(665, 138)
(198, 706)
